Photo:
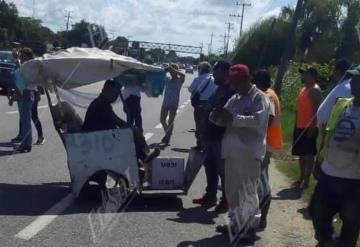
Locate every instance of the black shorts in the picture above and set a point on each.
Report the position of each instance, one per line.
(303, 144)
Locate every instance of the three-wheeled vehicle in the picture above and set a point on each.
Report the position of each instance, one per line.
(112, 151)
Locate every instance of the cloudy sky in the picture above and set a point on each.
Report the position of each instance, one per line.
(188, 22)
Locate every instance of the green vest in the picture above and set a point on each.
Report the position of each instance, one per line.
(325, 136)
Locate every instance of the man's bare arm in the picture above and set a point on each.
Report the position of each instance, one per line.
(316, 97)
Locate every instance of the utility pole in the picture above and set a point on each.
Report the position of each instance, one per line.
(227, 38)
(211, 42)
(243, 5)
(33, 14)
(289, 46)
(68, 18)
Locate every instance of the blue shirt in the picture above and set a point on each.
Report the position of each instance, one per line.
(172, 92)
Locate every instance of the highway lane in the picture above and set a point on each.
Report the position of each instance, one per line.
(31, 184)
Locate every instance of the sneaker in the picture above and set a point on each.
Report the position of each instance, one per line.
(17, 139)
(40, 141)
(222, 207)
(204, 201)
(21, 149)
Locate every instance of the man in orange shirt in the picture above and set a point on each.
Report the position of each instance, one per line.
(274, 142)
(306, 131)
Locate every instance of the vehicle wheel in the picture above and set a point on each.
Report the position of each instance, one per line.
(116, 191)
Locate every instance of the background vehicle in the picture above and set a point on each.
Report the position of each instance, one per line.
(189, 69)
(7, 68)
(165, 65)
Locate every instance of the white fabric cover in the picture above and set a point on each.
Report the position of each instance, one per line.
(75, 67)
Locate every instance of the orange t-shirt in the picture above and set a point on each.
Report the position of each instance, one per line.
(274, 133)
(306, 110)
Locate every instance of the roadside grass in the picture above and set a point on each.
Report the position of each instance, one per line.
(288, 165)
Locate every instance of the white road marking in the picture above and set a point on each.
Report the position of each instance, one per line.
(44, 220)
(159, 126)
(148, 136)
(182, 106)
(39, 107)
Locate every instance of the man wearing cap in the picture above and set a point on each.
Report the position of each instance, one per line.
(212, 138)
(338, 187)
(245, 117)
(201, 89)
(306, 131)
(171, 101)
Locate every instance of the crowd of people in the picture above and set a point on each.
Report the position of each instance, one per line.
(238, 127)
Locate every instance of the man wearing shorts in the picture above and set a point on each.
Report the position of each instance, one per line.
(306, 131)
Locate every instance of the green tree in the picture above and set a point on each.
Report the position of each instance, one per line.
(318, 29)
(119, 45)
(83, 33)
(253, 41)
(349, 46)
(31, 33)
(8, 22)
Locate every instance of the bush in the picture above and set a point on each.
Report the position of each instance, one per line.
(292, 82)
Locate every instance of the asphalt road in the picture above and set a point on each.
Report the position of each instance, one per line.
(36, 210)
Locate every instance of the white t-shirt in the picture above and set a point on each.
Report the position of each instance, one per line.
(343, 155)
(247, 133)
(342, 90)
(196, 82)
(207, 88)
(131, 90)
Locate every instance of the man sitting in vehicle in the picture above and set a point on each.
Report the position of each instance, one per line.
(100, 116)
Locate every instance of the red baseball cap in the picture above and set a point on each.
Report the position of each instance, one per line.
(238, 72)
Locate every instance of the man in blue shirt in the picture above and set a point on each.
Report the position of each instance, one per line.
(171, 101)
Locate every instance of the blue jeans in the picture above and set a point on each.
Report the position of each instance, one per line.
(214, 168)
(133, 111)
(25, 103)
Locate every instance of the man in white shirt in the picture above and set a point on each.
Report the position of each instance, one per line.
(201, 89)
(245, 117)
(338, 187)
(341, 90)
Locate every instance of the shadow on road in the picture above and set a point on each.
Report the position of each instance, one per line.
(6, 144)
(6, 153)
(155, 204)
(215, 241)
(29, 199)
(195, 215)
(305, 213)
(181, 150)
(288, 194)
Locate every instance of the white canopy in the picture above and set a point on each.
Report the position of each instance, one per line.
(75, 67)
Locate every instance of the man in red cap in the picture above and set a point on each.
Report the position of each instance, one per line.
(245, 117)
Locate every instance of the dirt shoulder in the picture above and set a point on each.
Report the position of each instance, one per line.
(288, 222)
